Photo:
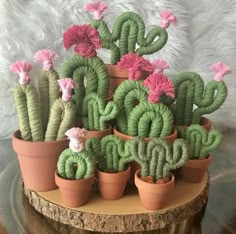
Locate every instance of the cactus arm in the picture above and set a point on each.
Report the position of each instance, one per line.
(213, 97)
(28, 109)
(150, 120)
(62, 117)
(125, 155)
(125, 96)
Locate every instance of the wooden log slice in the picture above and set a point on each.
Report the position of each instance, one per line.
(125, 214)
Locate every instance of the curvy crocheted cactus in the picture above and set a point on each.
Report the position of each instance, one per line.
(112, 152)
(128, 36)
(190, 92)
(96, 114)
(67, 161)
(201, 141)
(158, 157)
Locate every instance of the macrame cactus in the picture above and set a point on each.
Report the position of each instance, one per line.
(201, 141)
(96, 114)
(128, 32)
(27, 104)
(47, 83)
(112, 153)
(190, 92)
(158, 157)
(63, 113)
(75, 155)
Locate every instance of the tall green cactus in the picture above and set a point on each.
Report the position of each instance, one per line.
(96, 114)
(67, 161)
(190, 92)
(201, 141)
(128, 32)
(158, 157)
(90, 75)
(112, 154)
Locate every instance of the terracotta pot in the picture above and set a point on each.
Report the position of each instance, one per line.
(38, 161)
(194, 169)
(112, 185)
(99, 134)
(153, 196)
(117, 76)
(74, 193)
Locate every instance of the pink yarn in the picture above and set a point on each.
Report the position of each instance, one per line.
(84, 37)
(77, 138)
(136, 65)
(159, 84)
(97, 8)
(160, 65)
(22, 68)
(45, 56)
(220, 69)
(167, 18)
(66, 85)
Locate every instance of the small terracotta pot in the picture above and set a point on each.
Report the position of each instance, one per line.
(153, 196)
(74, 193)
(38, 161)
(194, 169)
(112, 185)
(99, 134)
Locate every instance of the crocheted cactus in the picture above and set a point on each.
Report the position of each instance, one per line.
(112, 153)
(158, 157)
(190, 92)
(201, 141)
(67, 161)
(128, 36)
(96, 114)
(47, 83)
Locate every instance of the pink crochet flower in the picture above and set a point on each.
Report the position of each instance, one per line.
(136, 65)
(45, 56)
(77, 138)
(167, 18)
(97, 8)
(220, 69)
(66, 85)
(22, 68)
(84, 37)
(159, 84)
(160, 65)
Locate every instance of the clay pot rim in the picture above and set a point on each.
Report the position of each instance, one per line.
(16, 135)
(105, 130)
(113, 173)
(204, 122)
(115, 69)
(199, 163)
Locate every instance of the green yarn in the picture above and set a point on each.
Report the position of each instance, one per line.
(128, 32)
(61, 118)
(150, 120)
(48, 93)
(201, 141)
(96, 114)
(67, 161)
(90, 75)
(28, 110)
(126, 96)
(190, 91)
(158, 157)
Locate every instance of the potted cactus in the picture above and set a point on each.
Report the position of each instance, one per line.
(113, 171)
(75, 170)
(128, 36)
(39, 141)
(193, 100)
(157, 158)
(201, 143)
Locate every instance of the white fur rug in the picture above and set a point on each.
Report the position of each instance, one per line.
(205, 34)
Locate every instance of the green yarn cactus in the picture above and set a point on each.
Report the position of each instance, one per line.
(158, 157)
(190, 92)
(201, 141)
(96, 114)
(128, 36)
(66, 165)
(112, 153)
